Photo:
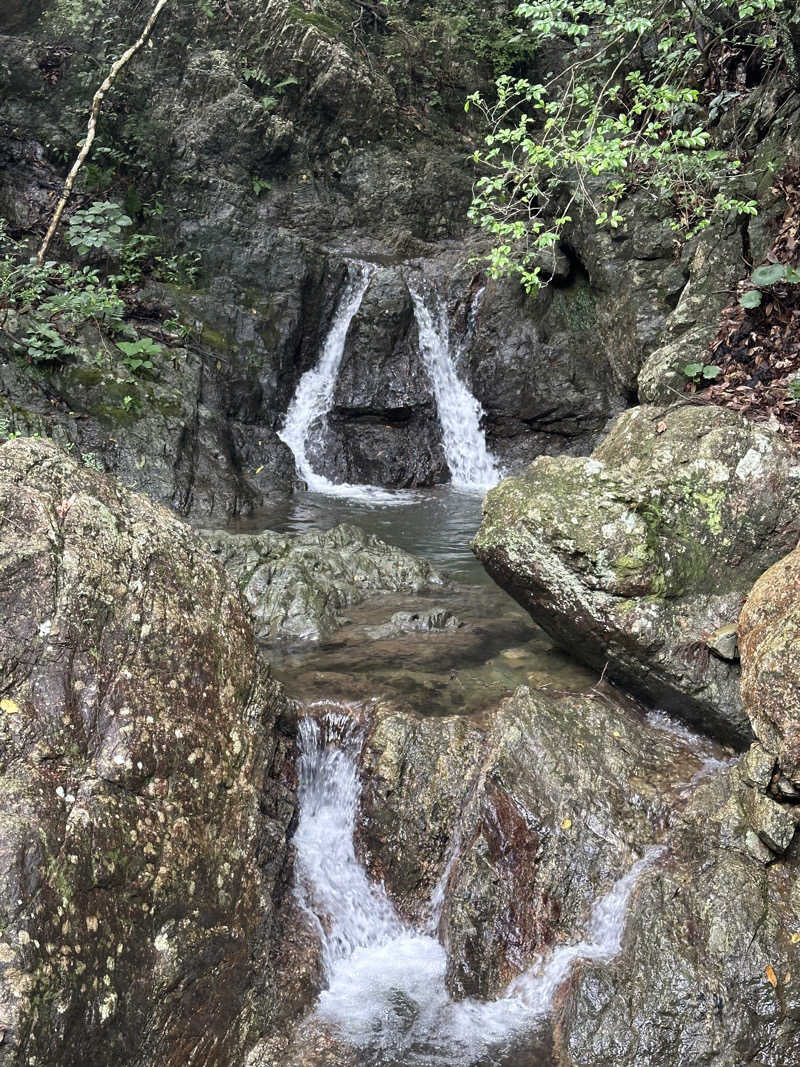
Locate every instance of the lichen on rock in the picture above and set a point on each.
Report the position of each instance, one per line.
(297, 586)
(144, 817)
(632, 558)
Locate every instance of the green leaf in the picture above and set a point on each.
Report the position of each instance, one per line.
(751, 299)
(710, 371)
(693, 370)
(768, 274)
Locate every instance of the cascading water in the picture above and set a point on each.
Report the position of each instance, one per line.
(386, 992)
(472, 467)
(314, 395)
(471, 464)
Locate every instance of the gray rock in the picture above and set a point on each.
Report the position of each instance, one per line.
(437, 619)
(710, 951)
(527, 815)
(298, 586)
(144, 818)
(724, 641)
(631, 558)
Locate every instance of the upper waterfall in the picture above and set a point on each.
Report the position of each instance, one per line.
(471, 464)
(314, 395)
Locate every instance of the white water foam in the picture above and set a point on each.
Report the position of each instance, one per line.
(472, 466)
(313, 398)
(386, 990)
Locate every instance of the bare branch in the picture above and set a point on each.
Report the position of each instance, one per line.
(91, 128)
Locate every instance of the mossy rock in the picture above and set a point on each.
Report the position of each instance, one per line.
(137, 801)
(632, 557)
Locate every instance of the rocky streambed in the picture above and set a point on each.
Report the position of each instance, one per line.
(450, 843)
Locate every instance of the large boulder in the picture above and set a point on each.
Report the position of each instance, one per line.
(637, 557)
(298, 586)
(710, 955)
(505, 830)
(769, 640)
(143, 821)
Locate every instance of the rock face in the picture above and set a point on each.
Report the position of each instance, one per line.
(769, 640)
(708, 963)
(383, 427)
(279, 142)
(143, 821)
(523, 819)
(298, 586)
(635, 557)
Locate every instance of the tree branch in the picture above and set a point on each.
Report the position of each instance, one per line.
(91, 128)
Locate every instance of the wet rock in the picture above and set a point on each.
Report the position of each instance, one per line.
(757, 767)
(506, 333)
(633, 557)
(159, 433)
(521, 817)
(774, 823)
(709, 958)
(298, 586)
(143, 821)
(409, 622)
(768, 639)
(724, 641)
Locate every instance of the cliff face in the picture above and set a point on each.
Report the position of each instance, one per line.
(276, 141)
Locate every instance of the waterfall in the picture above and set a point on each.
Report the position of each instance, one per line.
(472, 467)
(471, 464)
(386, 992)
(314, 395)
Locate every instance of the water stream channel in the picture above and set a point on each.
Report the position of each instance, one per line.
(385, 1001)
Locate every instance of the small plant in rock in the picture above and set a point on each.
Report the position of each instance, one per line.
(44, 344)
(98, 227)
(138, 353)
(701, 372)
(765, 276)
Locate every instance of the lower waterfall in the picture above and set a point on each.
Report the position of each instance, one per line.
(385, 991)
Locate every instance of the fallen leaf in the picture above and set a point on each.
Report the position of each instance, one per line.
(772, 978)
(566, 824)
(795, 939)
(661, 427)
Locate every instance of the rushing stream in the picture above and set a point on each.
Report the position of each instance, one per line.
(385, 991)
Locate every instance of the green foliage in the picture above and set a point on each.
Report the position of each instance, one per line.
(766, 275)
(793, 390)
(44, 344)
(260, 184)
(138, 353)
(697, 372)
(98, 226)
(628, 111)
(55, 301)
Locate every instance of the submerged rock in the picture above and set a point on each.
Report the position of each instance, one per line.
(143, 821)
(634, 557)
(415, 622)
(298, 586)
